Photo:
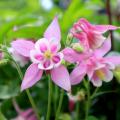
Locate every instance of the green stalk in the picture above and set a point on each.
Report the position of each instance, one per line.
(77, 111)
(27, 91)
(60, 104)
(87, 86)
(49, 98)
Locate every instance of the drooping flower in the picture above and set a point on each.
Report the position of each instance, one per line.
(45, 56)
(24, 115)
(90, 36)
(94, 64)
(18, 54)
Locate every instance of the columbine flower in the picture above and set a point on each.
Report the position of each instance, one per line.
(45, 56)
(21, 55)
(95, 65)
(90, 36)
(24, 115)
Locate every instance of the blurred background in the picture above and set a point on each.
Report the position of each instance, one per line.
(29, 19)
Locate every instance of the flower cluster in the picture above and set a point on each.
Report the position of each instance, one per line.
(92, 61)
(88, 53)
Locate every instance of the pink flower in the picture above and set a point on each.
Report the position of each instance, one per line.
(95, 65)
(24, 115)
(45, 56)
(90, 36)
(20, 52)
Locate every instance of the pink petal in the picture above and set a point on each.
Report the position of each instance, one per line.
(78, 74)
(60, 77)
(105, 28)
(42, 45)
(54, 45)
(46, 65)
(53, 30)
(23, 47)
(70, 55)
(108, 75)
(32, 75)
(96, 81)
(36, 56)
(105, 48)
(57, 59)
(95, 39)
(113, 59)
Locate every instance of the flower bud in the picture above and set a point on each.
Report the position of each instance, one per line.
(69, 39)
(117, 73)
(3, 62)
(77, 47)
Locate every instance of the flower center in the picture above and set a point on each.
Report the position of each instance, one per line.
(100, 74)
(48, 54)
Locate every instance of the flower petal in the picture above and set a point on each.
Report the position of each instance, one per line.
(104, 49)
(108, 75)
(46, 65)
(32, 75)
(105, 28)
(53, 30)
(70, 55)
(42, 45)
(96, 81)
(78, 74)
(36, 57)
(60, 76)
(23, 47)
(113, 59)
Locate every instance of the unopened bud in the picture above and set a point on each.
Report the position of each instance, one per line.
(77, 47)
(81, 95)
(69, 39)
(3, 62)
(117, 73)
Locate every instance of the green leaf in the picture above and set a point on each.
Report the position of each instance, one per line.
(2, 116)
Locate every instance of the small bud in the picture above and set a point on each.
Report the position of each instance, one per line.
(117, 73)
(69, 39)
(77, 47)
(3, 62)
(81, 95)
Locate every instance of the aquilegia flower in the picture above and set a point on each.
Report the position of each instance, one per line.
(24, 115)
(95, 65)
(45, 56)
(90, 36)
(18, 54)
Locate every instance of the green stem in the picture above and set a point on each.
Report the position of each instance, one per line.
(95, 92)
(77, 111)
(49, 99)
(27, 91)
(55, 98)
(21, 77)
(87, 85)
(60, 104)
(101, 93)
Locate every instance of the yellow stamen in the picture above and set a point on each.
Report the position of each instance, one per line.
(100, 74)
(48, 54)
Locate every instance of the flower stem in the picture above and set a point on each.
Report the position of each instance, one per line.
(87, 86)
(55, 98)
(49, 98)
(77, 111)
(60, 104)
(27, 91)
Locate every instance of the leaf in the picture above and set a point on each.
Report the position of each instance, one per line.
(2, 116)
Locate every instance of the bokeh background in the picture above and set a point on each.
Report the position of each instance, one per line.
(28, 19)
